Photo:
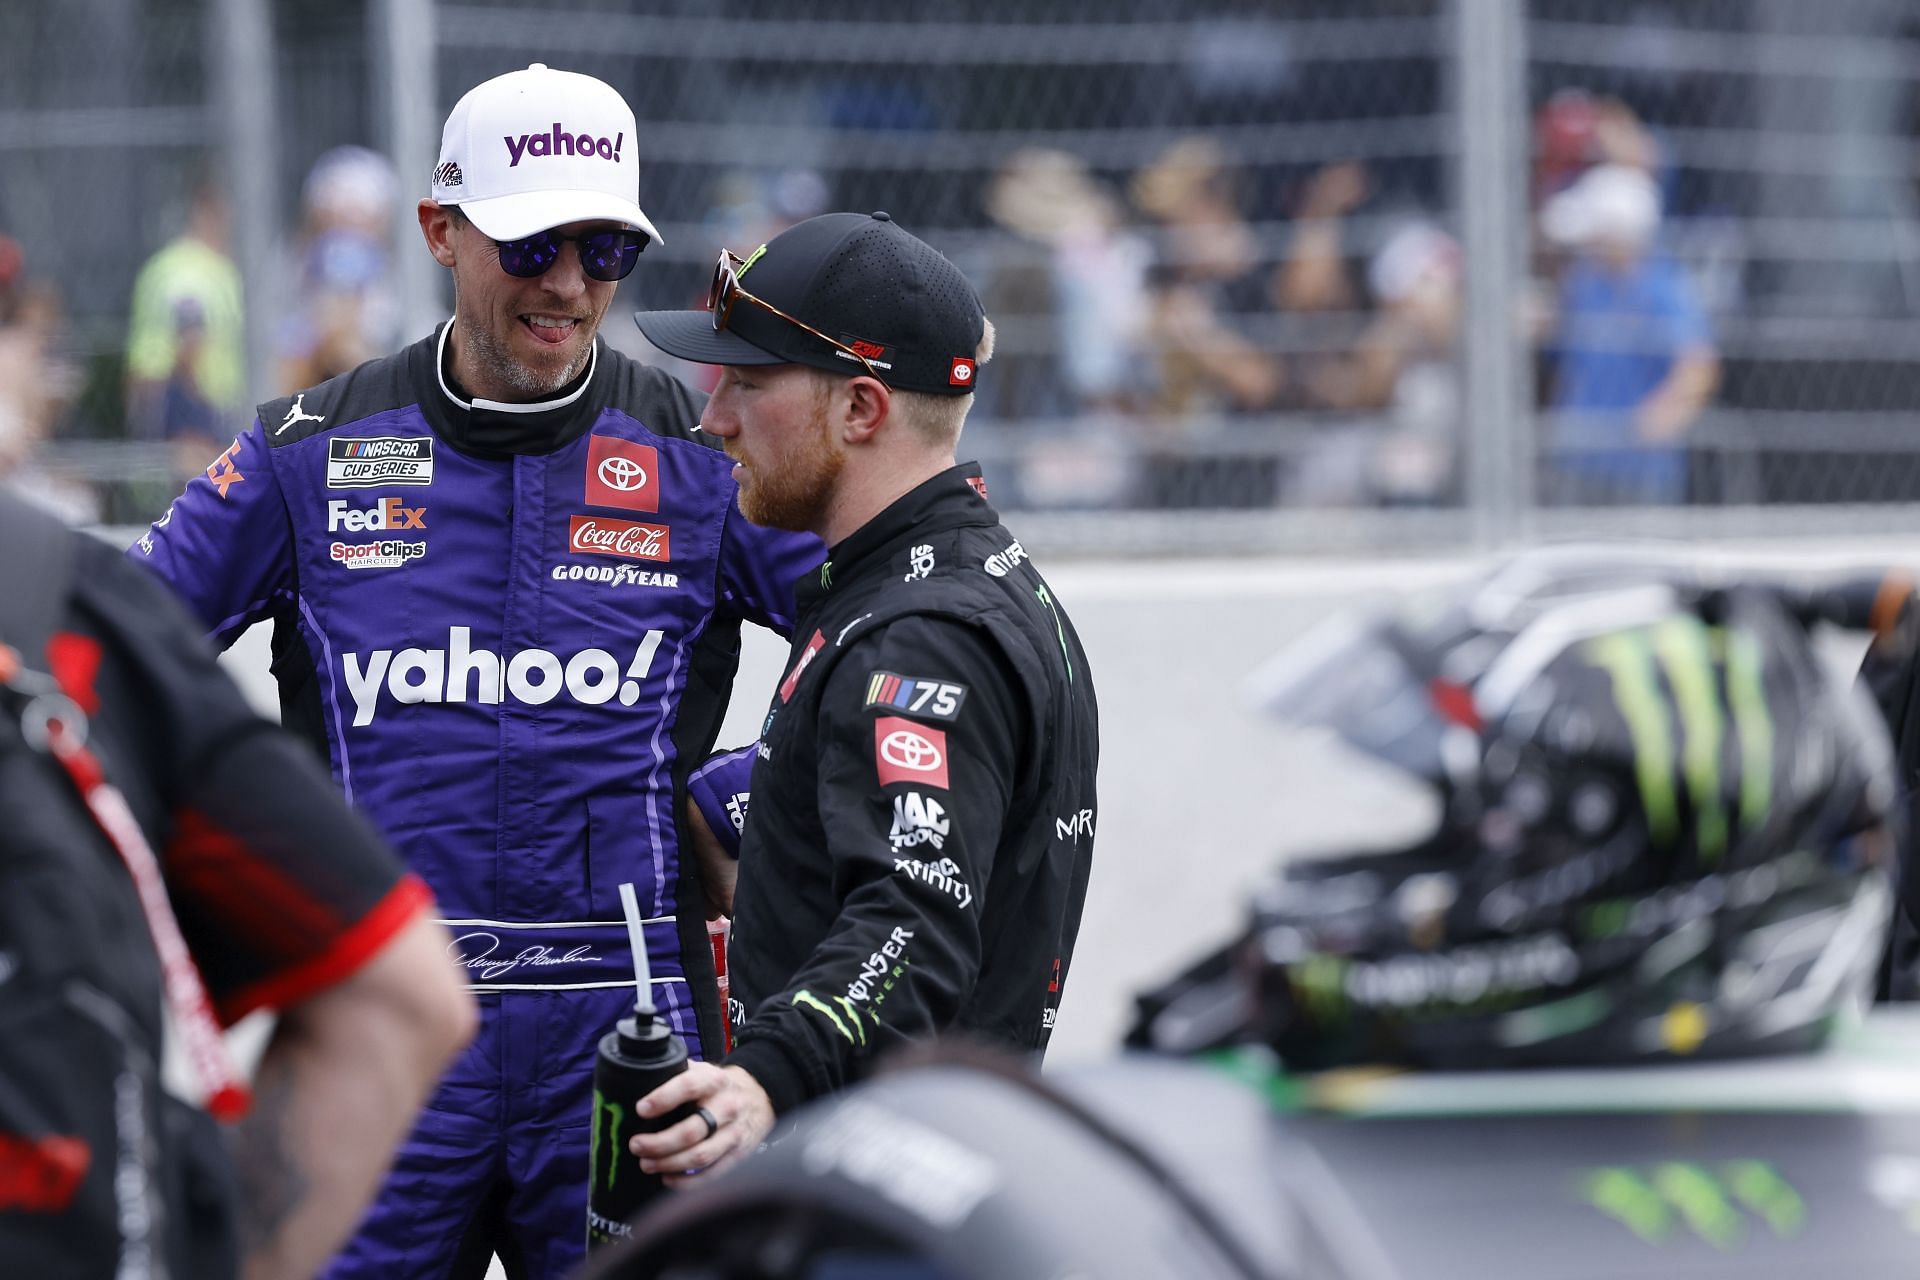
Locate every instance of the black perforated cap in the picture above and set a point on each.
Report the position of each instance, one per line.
(859, 278)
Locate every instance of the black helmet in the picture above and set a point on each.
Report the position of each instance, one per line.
(1664, 829)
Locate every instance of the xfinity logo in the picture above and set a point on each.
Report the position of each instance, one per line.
(459, 673)
(558, 141)
(943, 875)
(917, 820)
(384, 515)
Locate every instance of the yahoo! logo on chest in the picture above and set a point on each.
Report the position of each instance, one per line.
(557, 141)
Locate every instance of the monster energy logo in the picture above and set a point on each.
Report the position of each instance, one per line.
(613, 1112)
(1687, 652)
(826, 576)
(807, 1000)
(1715, 1204)
(1320, 985)
(1046, 599)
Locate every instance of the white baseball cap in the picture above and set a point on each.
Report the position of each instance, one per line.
(540, 148)
(1607, 202)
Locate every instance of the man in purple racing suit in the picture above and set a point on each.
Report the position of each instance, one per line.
(506, 580)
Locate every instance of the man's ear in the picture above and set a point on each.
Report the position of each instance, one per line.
(436, 224)
(865, 405)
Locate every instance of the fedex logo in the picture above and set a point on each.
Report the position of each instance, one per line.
(386, 514)
(558, 141)
(460, 673)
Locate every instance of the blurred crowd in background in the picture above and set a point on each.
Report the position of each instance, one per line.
(1225, 253)
(1168, 319)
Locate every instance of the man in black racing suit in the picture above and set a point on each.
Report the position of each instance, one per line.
(923, 799)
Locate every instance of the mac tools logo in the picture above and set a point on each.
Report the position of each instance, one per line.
(918, 820)
(369, 462)
(599, 536)
(907, 752)
(622, 474)
(559, 141)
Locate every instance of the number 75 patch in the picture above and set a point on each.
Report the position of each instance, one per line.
(935, 698)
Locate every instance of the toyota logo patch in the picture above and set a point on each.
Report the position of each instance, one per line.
(907, 752)
(623, 474)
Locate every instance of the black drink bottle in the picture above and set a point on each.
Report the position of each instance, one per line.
(636, 1057)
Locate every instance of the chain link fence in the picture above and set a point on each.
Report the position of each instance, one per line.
(1380, 272)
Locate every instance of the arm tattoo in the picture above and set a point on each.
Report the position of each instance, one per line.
(272, 1183)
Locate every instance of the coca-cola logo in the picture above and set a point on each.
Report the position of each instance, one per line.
(599, 536)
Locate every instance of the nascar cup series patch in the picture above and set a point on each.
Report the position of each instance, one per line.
(367, 462)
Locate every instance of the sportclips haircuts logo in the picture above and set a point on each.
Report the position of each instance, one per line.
(559, 141)
(461, 673)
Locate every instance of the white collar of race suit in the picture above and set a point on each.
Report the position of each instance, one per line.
(503, 406)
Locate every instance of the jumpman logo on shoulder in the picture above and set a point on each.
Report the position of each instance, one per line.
(296, 414)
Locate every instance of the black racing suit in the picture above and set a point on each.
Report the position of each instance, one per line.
(923, 804)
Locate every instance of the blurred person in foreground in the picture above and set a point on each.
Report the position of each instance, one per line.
(1598, 1015)
(342, 311)
(507, 578)
(916, 857)
(186, 348)
(1633, 359)
(155, 835)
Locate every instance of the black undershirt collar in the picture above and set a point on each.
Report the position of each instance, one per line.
(496, 429)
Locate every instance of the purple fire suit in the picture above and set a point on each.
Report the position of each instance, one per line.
(513, 628)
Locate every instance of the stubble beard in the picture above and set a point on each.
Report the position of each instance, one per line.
(493, 361)
(797, 491)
